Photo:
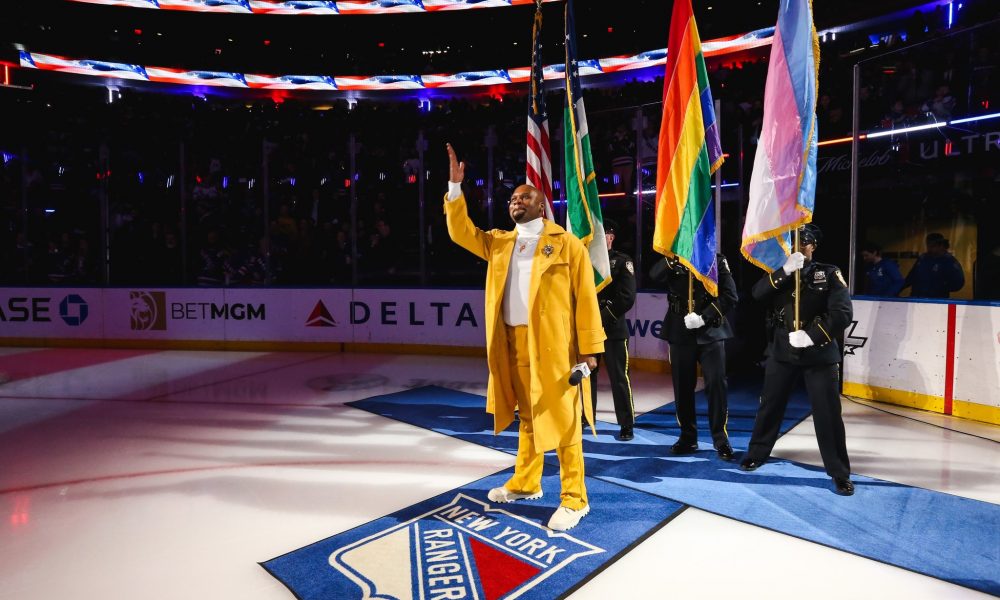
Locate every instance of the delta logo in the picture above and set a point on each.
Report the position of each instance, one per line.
(464, 549)
(320, 317)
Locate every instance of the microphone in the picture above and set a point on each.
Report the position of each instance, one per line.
(579, 371)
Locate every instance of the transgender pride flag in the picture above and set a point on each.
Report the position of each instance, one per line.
(783, 184)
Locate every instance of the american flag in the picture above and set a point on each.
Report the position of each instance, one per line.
(539, 164)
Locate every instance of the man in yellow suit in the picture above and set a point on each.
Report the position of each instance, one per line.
(541, 318)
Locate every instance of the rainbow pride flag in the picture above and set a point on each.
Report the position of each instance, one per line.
(783, 184)
(689, 153)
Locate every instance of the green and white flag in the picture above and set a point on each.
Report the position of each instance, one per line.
(583, 207)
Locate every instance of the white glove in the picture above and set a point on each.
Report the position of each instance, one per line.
(693, 321)
(794, 263)
(799, 339)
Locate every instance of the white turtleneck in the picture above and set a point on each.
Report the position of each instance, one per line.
(515, 293)
(518, 284)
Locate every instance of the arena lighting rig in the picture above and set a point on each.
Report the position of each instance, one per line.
(639, 65)
(313, 7)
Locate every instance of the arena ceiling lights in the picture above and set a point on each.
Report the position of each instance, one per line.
(312, 7)
(332, 83)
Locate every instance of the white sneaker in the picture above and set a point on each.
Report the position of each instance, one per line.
(503, 495)
(567, 518)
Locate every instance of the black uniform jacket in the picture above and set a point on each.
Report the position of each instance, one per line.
(711, 308)
(824, 312)
(618, 297)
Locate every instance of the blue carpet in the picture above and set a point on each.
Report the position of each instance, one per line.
(743, 399)
(461, 542)
(948, 537)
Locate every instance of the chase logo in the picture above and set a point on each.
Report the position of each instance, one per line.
(147, 311)
(74, 310)
(464, 549)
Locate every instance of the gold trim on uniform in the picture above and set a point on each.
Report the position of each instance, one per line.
(840, 277)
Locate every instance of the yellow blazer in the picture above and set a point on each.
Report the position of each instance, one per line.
(563, 321)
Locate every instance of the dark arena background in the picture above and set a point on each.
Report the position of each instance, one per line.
(241, 356)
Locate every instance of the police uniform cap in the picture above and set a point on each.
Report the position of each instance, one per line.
(810, 234)
(610, 226)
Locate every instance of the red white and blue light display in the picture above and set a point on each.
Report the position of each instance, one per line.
(468, 79)
(312, 7)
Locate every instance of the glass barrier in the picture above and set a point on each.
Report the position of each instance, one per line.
(928, 191)
(162, 189)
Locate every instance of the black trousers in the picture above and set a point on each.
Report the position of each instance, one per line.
(823, 387)
(615, 358)
(684, 359)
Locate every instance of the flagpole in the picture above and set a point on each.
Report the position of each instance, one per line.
(718, 184)
(690, 292)
(855, 150)
(798, 284)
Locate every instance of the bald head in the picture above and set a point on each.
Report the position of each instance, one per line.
(525, 204)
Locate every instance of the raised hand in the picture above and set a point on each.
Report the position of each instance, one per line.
(456, 170)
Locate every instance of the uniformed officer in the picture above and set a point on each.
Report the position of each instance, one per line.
(615, 300)
(697, 336)
(810, 350)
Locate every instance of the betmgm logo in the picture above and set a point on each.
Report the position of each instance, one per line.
(147, 311)
(464, 549)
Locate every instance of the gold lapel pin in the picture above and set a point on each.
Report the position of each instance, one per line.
(547, 250)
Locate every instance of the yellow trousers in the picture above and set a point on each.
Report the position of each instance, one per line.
(527, 476)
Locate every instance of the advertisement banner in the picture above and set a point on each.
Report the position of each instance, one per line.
(167, 314)
(44, 313)
(435, 317)
(304, 315)
(398, 316)
(644, 322)
(898, 347)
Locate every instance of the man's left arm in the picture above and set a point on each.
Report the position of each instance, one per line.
(839, 312)
(590, 334)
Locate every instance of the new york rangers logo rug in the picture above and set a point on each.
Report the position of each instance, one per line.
(463, 549)
(459, 545)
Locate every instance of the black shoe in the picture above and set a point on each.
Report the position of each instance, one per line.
(751, 464)
(626, 433)
(682, 447)
(725, 451)
(844, 486)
